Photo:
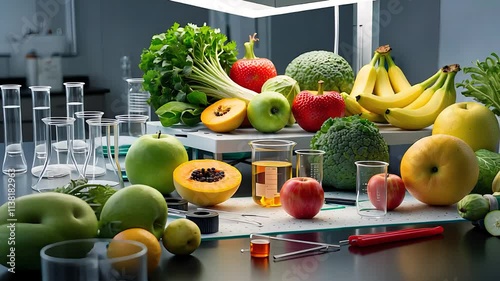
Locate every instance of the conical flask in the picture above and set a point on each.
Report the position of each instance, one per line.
(56, 171)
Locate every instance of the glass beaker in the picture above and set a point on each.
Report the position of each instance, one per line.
(81, 156)
(14, 160)
(271, 168)
(138, 97)
(130, 128)
(56, 171)
(75, 103)
(40, 96)
(309, 163)
(102, 165)
(371, 188)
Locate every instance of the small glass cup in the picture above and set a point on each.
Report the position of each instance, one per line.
(309, 163)
(371, 188)
(94, 259)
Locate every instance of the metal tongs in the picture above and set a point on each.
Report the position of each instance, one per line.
(364, 240)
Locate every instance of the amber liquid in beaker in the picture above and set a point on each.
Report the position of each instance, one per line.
(267, 179)
(260, 248)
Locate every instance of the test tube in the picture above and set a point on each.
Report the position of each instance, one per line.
(138, 97)
(14, 160)
(75, 103)
(41, 109)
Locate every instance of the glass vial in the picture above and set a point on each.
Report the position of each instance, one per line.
(14, 160)
(40, 96)
(75, 103)
(138, 98)
(55, 171)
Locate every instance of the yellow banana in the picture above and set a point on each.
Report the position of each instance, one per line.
(351, 105)
(378, 104)
(396, 76)
(374, 117)
(416, 119)
(365, 79)
(382, 84)
(427, 94)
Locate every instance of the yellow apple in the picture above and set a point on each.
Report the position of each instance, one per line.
(470, 121)
(439, 169)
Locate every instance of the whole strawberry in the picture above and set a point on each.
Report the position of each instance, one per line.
(252, 72)
(312, 108)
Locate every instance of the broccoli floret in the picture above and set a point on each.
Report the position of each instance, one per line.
(347, 140)
(310, 67)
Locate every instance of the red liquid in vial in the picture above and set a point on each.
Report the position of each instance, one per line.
(260, 248)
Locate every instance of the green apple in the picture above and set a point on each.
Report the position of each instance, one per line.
(32, 221)
(134, 206)
(470, 121)
(181, 237)
(268, 112)
(152, 159)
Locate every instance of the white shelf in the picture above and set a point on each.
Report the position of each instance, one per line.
(201, 138)
(254, 10)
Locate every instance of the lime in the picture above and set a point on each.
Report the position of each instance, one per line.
(492, 222)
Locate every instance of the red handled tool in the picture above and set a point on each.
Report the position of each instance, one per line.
(391, 236)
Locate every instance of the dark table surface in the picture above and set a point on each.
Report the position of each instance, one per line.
(462, 252)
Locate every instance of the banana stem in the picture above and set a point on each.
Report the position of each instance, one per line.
(375, 59)
(320, 88)
(431, 79)
(440, 81)
(390, 62)
(381, 61)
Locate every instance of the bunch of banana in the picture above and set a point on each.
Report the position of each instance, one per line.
(375, 80)
(423, 114)
(378, 104)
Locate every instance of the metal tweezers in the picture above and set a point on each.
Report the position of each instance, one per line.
(176, 212)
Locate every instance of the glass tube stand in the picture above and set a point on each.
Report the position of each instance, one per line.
(14, 160)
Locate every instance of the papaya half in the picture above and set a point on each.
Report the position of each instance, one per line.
(224, 115)
(206, 182)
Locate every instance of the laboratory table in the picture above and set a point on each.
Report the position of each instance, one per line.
(461, 252)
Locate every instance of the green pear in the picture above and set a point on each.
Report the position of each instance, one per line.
(30, 222)
(134, 206)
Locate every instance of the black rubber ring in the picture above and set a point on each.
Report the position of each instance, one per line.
(207, 221)
(177, 203)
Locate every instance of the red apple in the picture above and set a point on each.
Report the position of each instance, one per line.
(395, 190)
(312, 108)
(302, 197)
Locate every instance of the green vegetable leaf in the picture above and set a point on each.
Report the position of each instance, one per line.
(484, 83)
(189, 64)
(179, 112)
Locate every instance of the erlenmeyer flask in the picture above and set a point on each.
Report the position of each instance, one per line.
(59, 146)
(14, 160)
(102, 165)
(41, 109)
(84, 116)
